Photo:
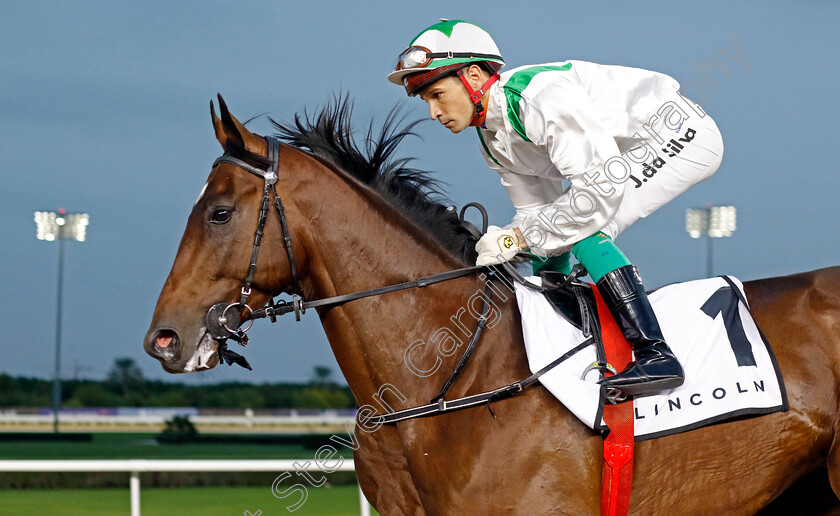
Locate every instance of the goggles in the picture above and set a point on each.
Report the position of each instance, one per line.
(421, 57)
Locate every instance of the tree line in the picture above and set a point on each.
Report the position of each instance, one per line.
(125, 386)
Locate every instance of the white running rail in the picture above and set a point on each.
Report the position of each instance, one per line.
(137, 466)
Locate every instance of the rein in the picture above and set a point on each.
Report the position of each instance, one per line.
(298, 306)
(223, 323)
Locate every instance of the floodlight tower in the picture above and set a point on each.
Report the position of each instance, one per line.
(59, 226)
(711, 222)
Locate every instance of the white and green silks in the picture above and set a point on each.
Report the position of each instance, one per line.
(582, 147)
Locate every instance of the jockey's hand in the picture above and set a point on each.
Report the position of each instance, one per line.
(499, 245)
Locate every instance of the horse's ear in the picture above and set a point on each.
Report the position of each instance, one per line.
(230, 130)
(217, 126)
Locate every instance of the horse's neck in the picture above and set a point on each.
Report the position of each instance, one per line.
(357, 242)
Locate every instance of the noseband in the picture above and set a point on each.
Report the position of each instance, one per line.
(223, 319)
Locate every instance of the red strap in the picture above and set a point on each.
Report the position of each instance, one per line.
(618, 446)
(475, 96)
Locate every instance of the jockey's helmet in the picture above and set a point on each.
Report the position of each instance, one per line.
(442, 50)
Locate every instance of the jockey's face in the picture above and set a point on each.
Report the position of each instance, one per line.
(449, 103)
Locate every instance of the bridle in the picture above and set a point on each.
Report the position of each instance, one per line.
(270, 177)
(223, 320)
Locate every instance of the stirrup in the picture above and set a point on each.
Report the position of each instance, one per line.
(598, 366)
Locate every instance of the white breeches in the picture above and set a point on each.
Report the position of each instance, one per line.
(688, 149)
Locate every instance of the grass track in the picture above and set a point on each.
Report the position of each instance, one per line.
(198, 501)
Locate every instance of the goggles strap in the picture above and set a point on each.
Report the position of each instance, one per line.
(475, 95)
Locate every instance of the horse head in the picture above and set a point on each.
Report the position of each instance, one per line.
(213, 262)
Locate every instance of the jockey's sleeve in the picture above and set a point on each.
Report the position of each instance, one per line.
(561, 121)
(528, 193)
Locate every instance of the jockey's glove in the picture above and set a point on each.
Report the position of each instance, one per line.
(498, 245)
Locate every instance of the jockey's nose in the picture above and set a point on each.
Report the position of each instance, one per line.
(434, 110)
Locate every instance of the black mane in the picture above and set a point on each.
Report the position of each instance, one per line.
(330, 136)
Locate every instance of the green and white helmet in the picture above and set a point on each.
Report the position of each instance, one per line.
(442, 49)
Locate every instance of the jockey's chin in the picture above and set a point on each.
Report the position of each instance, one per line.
(456, 126)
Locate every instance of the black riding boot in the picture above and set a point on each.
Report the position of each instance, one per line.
(655, 368)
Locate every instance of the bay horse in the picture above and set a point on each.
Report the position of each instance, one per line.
(358, 218)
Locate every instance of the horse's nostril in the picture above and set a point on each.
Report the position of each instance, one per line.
(166, 339)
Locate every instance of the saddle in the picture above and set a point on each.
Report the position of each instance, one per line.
(571, 299)
(574, 301)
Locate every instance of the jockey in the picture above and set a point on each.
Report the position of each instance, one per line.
(584, 150)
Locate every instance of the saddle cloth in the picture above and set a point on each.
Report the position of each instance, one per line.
(730, 370)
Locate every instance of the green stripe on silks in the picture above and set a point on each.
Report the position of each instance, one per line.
(514, 87)
(484, 145)
(561, 263)
(599, 255)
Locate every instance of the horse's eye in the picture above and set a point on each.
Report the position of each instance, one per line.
(221, 215)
